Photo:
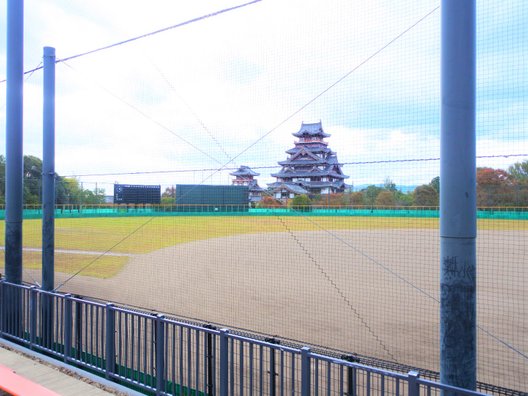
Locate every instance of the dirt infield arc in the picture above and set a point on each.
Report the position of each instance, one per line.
(372, 292)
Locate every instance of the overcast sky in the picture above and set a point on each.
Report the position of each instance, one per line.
(207, 94)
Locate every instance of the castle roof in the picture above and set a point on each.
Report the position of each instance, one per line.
(306, 185)
(254, 187)
(244, 171)
(316, 149)
(328, 171)
(294, 188)
(315, 129)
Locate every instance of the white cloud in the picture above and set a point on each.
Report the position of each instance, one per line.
(224, 82)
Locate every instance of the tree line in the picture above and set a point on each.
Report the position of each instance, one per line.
(495, 188)
(68, 190)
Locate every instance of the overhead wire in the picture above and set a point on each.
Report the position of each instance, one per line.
(145, 35)
(28, 76)
(143, 114)
(312, 100)
(150, 118)
(324, 91)
(278, 166)
(191, 110)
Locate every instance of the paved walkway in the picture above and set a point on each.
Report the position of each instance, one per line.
(55, 378)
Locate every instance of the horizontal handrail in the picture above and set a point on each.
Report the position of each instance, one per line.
(154, 353)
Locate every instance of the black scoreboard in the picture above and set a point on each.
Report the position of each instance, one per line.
(137, 194)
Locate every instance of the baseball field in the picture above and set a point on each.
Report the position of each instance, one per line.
(368, 285)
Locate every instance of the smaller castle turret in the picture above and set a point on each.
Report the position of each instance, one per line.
(244, 176)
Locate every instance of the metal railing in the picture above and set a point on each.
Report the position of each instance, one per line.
(162, 356)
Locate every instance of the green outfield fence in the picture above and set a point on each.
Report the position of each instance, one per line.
(82, 211)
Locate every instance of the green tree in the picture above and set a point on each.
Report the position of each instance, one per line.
(389, 185)
(300, 202)
(169, 196)
(370, 194)
(95, 197)
(269, 202)
(494, 187)
(425, 195)
(435, 183)
(385, 198)
(357, 198)
(67, 190)
(403, 199)
(32, 180)
(519, 172)
(519, 175)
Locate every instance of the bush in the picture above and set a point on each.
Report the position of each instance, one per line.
(385, 198)
(300, 203)
(269, 202)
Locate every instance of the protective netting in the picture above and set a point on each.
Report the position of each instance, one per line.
(356, 269)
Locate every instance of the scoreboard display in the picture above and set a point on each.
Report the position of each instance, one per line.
(137, 194)
(197, 194)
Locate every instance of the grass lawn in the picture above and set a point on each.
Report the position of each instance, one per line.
(138, 235)
(102, 267)
(146, 234)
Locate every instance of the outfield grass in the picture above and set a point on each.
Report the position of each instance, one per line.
(138, 235)
(101, 234)
(99, 267)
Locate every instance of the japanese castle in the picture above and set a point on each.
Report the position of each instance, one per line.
(311, 167)
(244, 176)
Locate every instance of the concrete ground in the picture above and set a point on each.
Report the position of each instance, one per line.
(56, 378)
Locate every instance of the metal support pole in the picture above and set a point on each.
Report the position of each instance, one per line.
(78, 327)
(3, 307)
(160, 354)
(305, 371)
(48, 195)
(14, 132)
(272, 370)
(68, 325)
(224, 362)
(458, 196)
(414, 386)
(33, 306)
(48, 172)
(110, 341)
(209, 370)
(351, 375)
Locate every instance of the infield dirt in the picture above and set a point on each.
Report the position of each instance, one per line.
(373, 292)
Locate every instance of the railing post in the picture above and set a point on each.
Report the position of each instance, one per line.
(209, 382)
(3, 304)
(110, 340)
(305, 371)
(414, 386)
(160, 354)
(224, 362)
(351, 375)
(272, 371)
(46, 320)
(78, 327)
(33, 309)
(67, 327)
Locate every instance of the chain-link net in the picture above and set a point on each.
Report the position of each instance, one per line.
(337, 242)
